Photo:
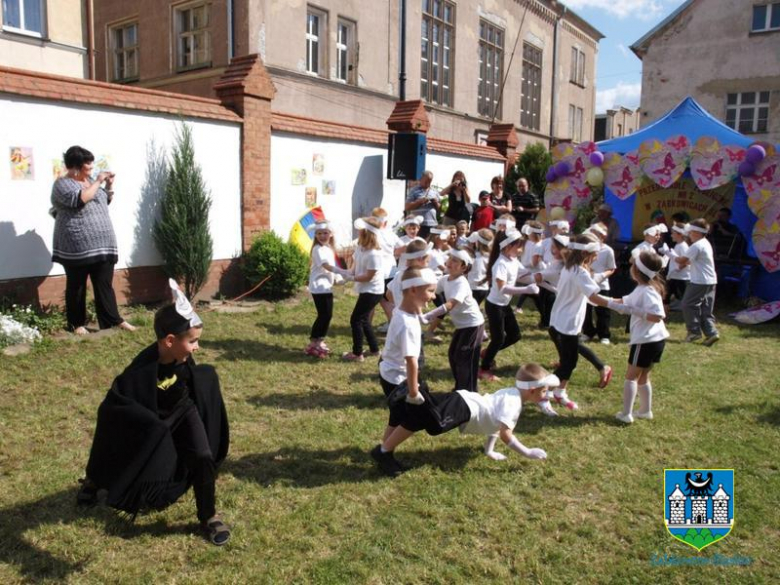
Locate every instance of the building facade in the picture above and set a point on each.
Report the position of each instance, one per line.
(725, 55)
(338, 60)
(619, 121)
(49, 36)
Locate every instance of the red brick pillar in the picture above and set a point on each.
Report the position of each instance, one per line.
(504, 139)
(247, 89)
(409, 116)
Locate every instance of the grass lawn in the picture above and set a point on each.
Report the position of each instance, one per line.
(307, 504)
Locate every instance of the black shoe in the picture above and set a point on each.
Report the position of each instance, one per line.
(88, 494)
(386, 461)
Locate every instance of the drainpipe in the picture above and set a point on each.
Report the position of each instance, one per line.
(402, 68)
(554, 92)
(90, 39)
(231, 23)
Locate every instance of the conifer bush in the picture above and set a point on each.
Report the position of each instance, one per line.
(285, 264)
(181, 234)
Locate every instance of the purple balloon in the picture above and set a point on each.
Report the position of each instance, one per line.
(596, 158)
(746, 168)
(755, 154)
(562, 168)
(551, 176)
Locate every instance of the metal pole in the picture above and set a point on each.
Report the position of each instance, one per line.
(402, 68)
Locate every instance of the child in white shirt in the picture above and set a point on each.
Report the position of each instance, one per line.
(321, 287)
(532, 260)
(699, 300)
(481, 243)
(602, 268)
(678, 277)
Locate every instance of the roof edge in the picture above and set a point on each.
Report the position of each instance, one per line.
(639, 46)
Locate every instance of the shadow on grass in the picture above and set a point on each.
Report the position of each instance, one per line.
(771, 418)
(317, 399)
(532, 422)
(304, 468)
(304, 330)
(37, 564)
(250, 349)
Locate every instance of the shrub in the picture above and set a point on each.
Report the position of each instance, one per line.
(285, 263)
(532, 165)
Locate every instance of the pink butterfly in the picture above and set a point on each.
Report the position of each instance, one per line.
(584, 192)
(666, 171)
(679, 144)
(625, 180)
(634, 159)
(774, 256)
(566, 203)
(714, 171)
(737, 156)
(767, 176)
(579, 168)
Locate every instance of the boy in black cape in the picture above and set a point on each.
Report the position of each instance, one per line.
(162, 427)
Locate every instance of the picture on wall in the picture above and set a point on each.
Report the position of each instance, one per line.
(311, 196)
(22, 168)
(328, 187)
(298, 176)
(58, 168)
(317, 164)
(102, 163)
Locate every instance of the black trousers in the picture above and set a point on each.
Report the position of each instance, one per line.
(480, 295)
(603, 319)
(569, 350)
(464, 356)
(102, 275)
(438, 414)
(504, 331)
(675, 288)
(360, 321)
(192, 447)
(547, 299)
(324, 304)
(537, 302)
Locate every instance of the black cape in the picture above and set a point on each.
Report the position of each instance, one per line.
(133, 455)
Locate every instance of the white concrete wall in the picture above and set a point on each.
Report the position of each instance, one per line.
(49, 129)
(360, 172)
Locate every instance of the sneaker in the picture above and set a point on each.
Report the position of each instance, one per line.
(351, 357)
(585, 338)
(564, 400)
(482, 358)
(626, 418)
(386, 462)
(645, 415)
(711, 340)
(433, 339)
(606, 376)
(519, 311)
(604, 341)
(692, 337)
(216, 531)
(547, 408)
(88, 494)
(487, 376)
(383, 328)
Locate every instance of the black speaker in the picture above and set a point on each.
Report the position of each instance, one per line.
(406, 156)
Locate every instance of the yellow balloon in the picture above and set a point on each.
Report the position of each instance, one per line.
(595, 177)
(557, 213)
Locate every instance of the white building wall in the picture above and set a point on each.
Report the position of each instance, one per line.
(123, 136)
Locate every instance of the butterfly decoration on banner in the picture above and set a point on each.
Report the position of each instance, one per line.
(622, 173)
(713, 165)
(567, 180)
(766, 242)
(664, 162)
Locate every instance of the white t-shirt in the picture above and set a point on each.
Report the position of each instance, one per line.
(605, 260)
(702, 262)
(568, 311)
(530, 250)
(478, 271)
(547, 256)
(505, 269)
(388, 242)
(488, 411)
(394, 288)
(366, 260)
(321, 280)
(436, 261)
(466, 313)
(675, 272)
(551, 275)
(403, 340)
(643, 331)
(642, 247)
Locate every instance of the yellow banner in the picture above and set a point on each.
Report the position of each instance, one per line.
(684, 197)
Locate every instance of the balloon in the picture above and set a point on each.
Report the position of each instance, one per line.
(755, 154)
(595, 177)
(596, 158)
(746, 168)
(550, 177)
(562, 168)
(557, 213)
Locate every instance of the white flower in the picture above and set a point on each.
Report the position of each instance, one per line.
(12, 332)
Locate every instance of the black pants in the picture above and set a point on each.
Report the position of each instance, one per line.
(192, 447)
(603, 318)
(479, 295)
(360, 321)
(569, 350)
(464, 356)
(102, 275)
(675, 288)
(324, 304)
(547, 299)
(438, 414)
(535, 298)
(504, 331)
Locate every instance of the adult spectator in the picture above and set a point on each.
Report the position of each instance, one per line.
(525, 203)
(425, 201)
(459, 200)
(500, 202)
(84, 240)
(604, 215)
(722, 226)
(725, 236)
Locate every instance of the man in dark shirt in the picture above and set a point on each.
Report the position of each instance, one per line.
(525, 204)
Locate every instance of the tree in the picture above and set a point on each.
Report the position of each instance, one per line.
(181, 234)
(532, 165)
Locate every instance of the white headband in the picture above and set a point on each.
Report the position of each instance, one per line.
(462, 256)
(596, 228)
(362, 224)
(475, 237)
(427, 277)
(559, 223)
(506, 222)
(695, 228)
(318, 226)
(681, 230)
(511, 237)
(653, 230)
(527, 229)
(644, 269)
(183, 306)
(562, 240)
(417, 220)
(420, 254)
(443, 234)
(549, 380)
(662, 228)
(589, 247)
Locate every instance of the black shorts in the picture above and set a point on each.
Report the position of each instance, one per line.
(644, 355)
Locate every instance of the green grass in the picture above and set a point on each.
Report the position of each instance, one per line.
(307, 505)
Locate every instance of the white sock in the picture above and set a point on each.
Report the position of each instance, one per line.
(645, 398)
(629, 394)
(382, 449)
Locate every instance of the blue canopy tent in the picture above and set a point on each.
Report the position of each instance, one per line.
(689, 119)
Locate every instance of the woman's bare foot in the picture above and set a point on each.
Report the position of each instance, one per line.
(81, 331)
(126, 326)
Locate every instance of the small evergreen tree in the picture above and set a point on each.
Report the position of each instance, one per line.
(532, 165)
(181, 234)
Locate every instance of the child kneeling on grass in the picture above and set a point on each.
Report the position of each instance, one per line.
(162, 427)
(493, 415)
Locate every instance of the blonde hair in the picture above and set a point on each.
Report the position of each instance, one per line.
(485, 234)
(652, 261)
(331, 243)
(530, 372)
(367, 239)
(580, 257)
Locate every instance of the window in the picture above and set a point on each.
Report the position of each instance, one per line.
(531, 99)
(438, 39)
(766, 17)
(24, 16)
(577, 74)
(575, 123)
(491, 66)
(345, 51)
(748, 112)
(124, 49)
(193, 37)
(316, 33)
(620, 129)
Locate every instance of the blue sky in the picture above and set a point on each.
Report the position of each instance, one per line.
(623, 22)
